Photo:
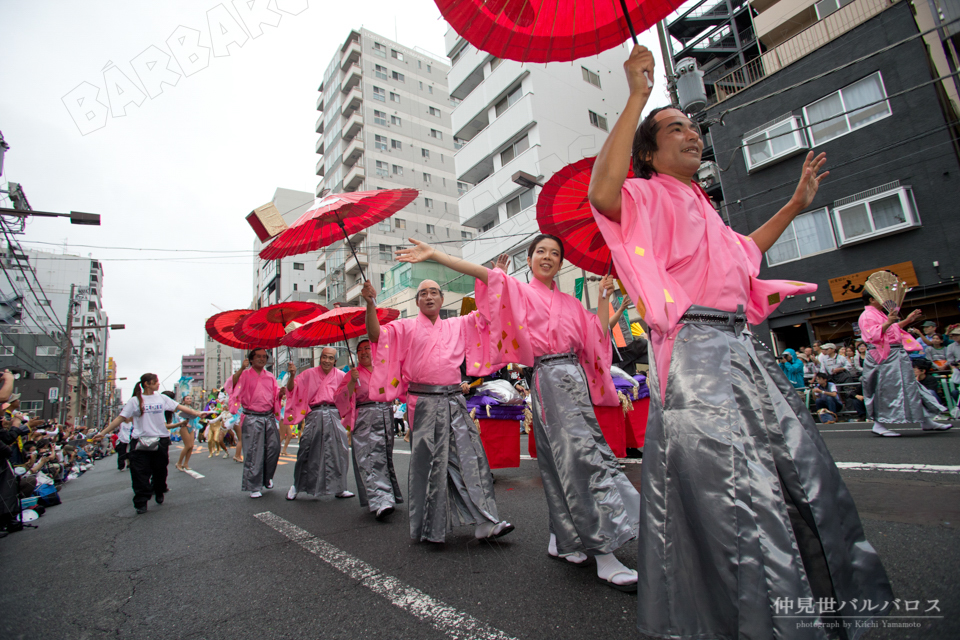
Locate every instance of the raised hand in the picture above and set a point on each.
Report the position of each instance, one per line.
(503, 261)
(245, 365)
(639, 68)
(354, 374)
(368, 293)
(809, 180)
(419, 252)
(607, 285)
(291, 368)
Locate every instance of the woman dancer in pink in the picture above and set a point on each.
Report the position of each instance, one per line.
(742, 505)
(593, 507)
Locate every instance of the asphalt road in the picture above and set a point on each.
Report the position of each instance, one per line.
(213, 563)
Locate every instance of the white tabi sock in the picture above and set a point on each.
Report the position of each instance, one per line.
(608, 566)
(576, 557)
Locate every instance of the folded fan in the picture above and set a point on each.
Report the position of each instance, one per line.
(887, 289)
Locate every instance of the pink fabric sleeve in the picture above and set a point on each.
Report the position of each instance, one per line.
(296, 407)
(479, 344)
(386, 382)
(347, 402)
(500, 306)
(596, 358)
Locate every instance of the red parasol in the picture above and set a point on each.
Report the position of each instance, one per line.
(563, 210)
(220, 328)
(551, 30)
(337, 324)
(337, 216)
(266, 327)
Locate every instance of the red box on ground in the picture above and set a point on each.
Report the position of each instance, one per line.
(613, 425)
(637, 423)
(501, 442)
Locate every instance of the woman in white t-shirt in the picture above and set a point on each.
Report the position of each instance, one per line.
(149, 439)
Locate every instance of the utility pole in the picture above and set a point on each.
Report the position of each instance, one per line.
(67, 354)
(667, 55)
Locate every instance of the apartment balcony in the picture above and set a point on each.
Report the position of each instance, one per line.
(322, 261)
(352, 297)
(351, 55)
(352, 77)
(471, 115)
(320, 187)
(352, 101)
(475, 205)
(319, 145)
(353, 126)
(351, 264)
(477, 155)
(467, 73)
(320, 102)
(321, 287)
(319, 125)
(354, 178)
(702, 16)
(518, 231)
(353, 152)
(320, 168)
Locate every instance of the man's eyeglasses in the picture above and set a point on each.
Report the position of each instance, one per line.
(431, 291)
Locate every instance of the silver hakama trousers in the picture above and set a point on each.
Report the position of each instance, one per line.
(322, 457)
(592, 505)
(891, 393)
(261, 449)
(377, 485)
(743, 510)
(450, 482)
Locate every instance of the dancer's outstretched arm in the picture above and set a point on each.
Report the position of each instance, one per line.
(421, 252)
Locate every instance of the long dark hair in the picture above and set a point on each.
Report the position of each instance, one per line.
(645, 144)
(138, 388)
(168, 415)
(540, 238)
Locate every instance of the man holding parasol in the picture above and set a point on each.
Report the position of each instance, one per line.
(891, 393)
(256, 390)
(742, 505)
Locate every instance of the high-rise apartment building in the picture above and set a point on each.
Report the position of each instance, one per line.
(219, 361)
(191, 366)
(385, 124)
(516, 125)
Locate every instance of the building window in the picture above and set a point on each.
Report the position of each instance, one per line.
(400, 223)
(386, 253)
(311, 288)
(383, 169)
(394, 97)
(427, 177)
(826, 7)
(462, 187)
(808, 234)
(436, 134)
(429, 88)
(776, 141)
(379, 94)
(877, 212)
(298, 266)
(848, 109)
(494, 63)
(380, 72)
(508, 101)
(488, 226)
(380, 143)
(384, 225)
(435, 112)
(590, 77)
(397, 170)
(92, 307)
(429, 68)
(519, 203)
(396, 55)
(598, 121)
(31, 405)
(466, 235)
(396, 144)
(383, 281)
(294, 286)
(379, 117)
(431, 229)
(379, 49)
(396, 75)
(395, 120)
(425, 153)
(419, 64)
(421, 85)
(7, 350)
(47, 352)
(457, 143)
(514, 150)
(428, 202)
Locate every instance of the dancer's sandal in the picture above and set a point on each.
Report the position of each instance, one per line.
(567, 558)
(501, 529)
(630, 587)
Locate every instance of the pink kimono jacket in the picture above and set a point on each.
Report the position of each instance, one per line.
(530, 320)
(255, 392)
(672, 251)
(347, 401)
(870, 322)
(311, 387)
(417, 350)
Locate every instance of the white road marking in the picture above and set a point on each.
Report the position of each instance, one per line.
(193, 474)
(897, 429)
(909, 468)
(455, 624)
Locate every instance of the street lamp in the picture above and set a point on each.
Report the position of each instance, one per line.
(68, 352)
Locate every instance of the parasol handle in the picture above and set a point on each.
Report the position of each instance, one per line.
(633, 34)
(363, 278)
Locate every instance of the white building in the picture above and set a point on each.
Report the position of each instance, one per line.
(385, 124)
(529, 118)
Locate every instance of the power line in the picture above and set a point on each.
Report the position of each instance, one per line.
(43, 307)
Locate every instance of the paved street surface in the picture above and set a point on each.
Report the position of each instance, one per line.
(212, 563)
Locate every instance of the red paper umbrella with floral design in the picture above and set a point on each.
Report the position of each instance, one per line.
(551, 30)
(563, 210)
(335, 217)
(266, 327)
(337, 324)
(220, 328)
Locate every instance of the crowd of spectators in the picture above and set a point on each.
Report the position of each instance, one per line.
(831, 372)
(37, 457)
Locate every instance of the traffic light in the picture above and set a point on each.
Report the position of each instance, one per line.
(11, 308)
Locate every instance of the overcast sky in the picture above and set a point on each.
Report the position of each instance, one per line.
(181, 169)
